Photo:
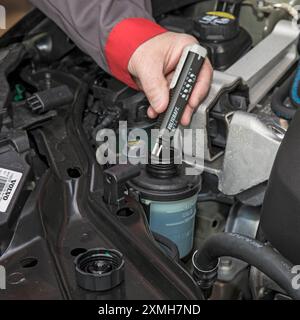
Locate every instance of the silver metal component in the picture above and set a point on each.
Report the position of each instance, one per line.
(265, 64)
(260, 69)
(251, 149)
(249, 138)
(260, 284)
(157, 149)
(221, 82)
(252, 145)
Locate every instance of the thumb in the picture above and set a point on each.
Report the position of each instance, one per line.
(155, 87)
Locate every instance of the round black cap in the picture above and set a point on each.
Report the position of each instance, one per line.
(99, 269)
(217, 26)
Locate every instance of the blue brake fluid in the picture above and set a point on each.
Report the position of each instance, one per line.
(175, 220)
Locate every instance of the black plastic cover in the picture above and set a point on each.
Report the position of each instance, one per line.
(177, 187)
(280, 221)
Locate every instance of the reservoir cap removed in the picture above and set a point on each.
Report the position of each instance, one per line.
(99, 269)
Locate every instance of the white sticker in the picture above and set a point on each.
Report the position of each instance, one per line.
(9, 181)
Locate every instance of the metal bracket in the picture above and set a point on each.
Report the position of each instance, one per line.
(260, 69)
(115, 179)
(222, 82)
(263, 66)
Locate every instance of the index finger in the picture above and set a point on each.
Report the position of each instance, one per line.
(202, 86)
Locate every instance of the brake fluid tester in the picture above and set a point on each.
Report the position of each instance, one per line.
(181, 88)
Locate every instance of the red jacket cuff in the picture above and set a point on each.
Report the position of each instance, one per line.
(122, 42)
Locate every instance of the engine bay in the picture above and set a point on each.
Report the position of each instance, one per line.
(59, 200)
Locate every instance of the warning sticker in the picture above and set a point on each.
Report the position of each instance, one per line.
(9, 181)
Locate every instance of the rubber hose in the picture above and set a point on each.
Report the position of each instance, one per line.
(253, 252)
(278, 98)
(172, 248)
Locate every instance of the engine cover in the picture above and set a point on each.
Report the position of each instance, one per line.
(280, 220)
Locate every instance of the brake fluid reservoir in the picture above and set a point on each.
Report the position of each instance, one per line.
(175, 220)
(170, 197)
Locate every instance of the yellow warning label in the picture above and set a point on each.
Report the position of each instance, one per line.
(221, 14)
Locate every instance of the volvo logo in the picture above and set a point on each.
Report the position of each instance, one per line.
(9, 190)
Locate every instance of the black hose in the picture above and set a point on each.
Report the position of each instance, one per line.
(255, 253)
(170, 246)
(278, 98)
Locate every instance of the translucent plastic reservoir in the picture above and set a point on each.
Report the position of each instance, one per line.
(175, 220)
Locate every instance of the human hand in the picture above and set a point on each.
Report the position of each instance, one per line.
(152, 66)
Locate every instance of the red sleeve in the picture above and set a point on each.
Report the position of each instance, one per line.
(122, 42)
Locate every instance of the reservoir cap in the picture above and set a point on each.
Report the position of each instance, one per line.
(217, 26)
(99, 269)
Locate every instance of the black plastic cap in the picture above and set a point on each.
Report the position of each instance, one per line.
(217, 26)
(99, 269)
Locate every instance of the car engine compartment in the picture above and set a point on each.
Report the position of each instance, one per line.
(179, 235)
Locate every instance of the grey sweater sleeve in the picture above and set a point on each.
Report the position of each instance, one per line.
(89, 22)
